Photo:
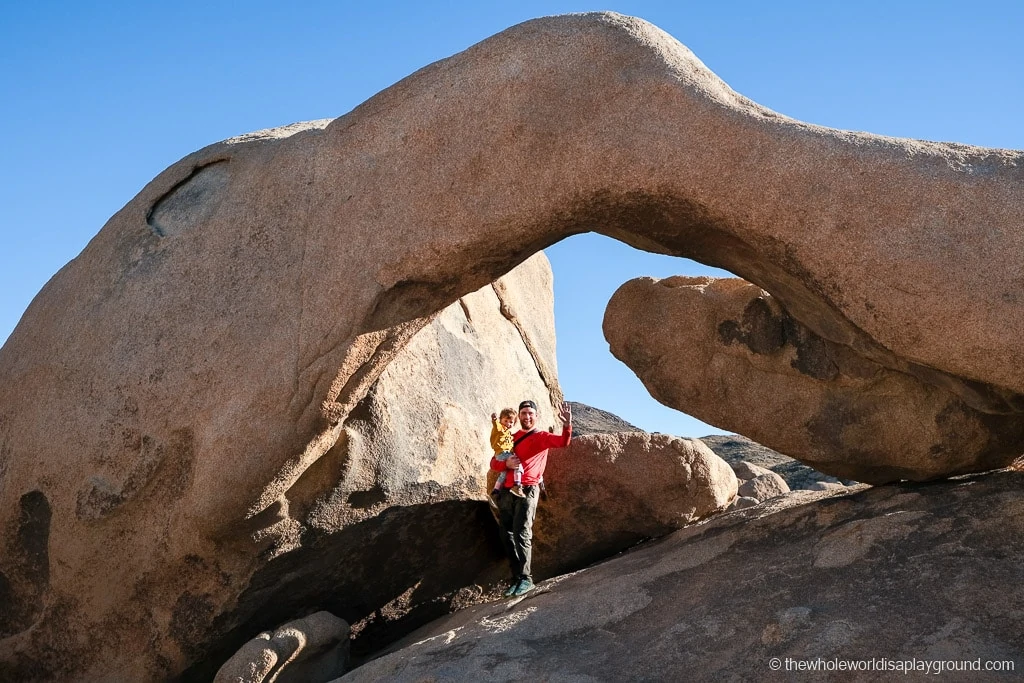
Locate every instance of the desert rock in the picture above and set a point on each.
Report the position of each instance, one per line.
(858, 576)
(746, 471)
(607, 492)
(590, 420)
(175, 388)
(730, 354)
(764, 486)
(382, 527)
(308, 650)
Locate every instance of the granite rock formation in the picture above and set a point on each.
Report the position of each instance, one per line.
(382, 530)
(174, 390)
(607, 492)
(735, 449)
(729, 353)
(314, 648)
(860, 576)
(590, 420)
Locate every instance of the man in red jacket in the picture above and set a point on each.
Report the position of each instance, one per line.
(516, 514)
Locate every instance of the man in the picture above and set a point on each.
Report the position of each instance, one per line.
(515, 514)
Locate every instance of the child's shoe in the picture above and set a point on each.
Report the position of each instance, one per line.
(517, 490)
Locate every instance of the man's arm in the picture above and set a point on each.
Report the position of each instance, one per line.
(559, 440)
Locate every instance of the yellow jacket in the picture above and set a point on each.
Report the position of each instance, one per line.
(501, 438)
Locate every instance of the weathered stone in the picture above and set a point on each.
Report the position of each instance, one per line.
(732, 448)
(746, 471)
(606, 492)
(764, 486)
(825, 486)
(252, 663)
(728, 353)
(900, 572)
(403, 479)
(742, 502)
(209, 346)
(313, 649)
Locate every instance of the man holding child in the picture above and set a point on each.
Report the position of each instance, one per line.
(515, 512)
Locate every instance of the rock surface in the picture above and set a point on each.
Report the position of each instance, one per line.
(382, 530)
(171, 390)
(911, 571)
(607, 492)
(728, 353)
(590, 420)
(307, 650)
(735, 449)
(742, 502)
(764, 487)
(732, 448)
(746, 471)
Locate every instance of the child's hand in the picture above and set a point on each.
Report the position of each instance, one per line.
(494, 416)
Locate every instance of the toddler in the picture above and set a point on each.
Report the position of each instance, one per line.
(502, 443)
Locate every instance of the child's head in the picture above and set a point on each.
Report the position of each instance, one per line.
(507, 417)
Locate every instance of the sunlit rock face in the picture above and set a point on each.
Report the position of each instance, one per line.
(171, 390)
(727, 352)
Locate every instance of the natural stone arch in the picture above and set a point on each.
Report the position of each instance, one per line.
(299, 260)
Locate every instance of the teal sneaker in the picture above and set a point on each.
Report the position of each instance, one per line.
(512, 589)
(524, 587)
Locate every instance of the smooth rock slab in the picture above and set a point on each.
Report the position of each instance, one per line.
(914, 571)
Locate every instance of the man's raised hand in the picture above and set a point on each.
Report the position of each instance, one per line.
(565, 413)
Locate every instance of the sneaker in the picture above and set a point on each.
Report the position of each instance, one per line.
(517, 491)
(525, 586)
(513, 588)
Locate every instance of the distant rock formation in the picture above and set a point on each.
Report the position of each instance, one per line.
(862, 576)
(590, 420)
(735, 449)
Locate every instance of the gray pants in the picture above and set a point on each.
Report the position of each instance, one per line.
(516, 515)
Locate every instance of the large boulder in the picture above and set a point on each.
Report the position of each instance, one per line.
(763, 487)
(729, 353)
(383, 529)
(171, 390)
(607, 492)
(903, 573)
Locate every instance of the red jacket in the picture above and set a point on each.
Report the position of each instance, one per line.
(533, 453)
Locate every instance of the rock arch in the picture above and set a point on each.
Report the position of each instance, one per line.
(275, 274)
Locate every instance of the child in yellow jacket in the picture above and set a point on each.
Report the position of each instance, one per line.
(502, 443)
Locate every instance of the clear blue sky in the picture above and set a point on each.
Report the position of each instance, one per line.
(100, 97)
